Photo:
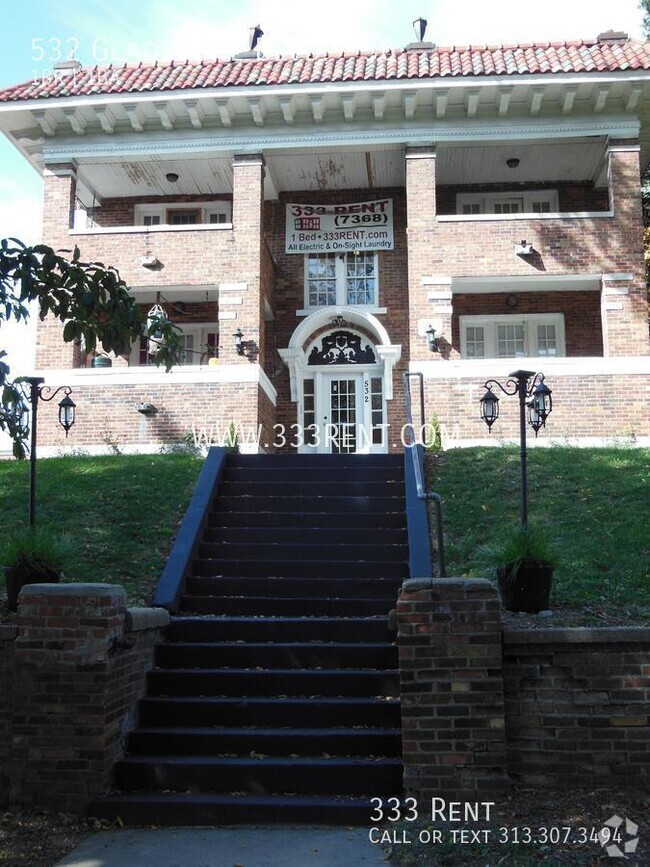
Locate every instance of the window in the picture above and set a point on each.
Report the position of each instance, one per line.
(513, 336)
(348, 278)
(199, 344)
(527, 202)
(183, 217)
(214, 213)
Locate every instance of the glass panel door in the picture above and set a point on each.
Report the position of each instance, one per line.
(342, 428)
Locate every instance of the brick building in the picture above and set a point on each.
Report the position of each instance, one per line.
(334, 209)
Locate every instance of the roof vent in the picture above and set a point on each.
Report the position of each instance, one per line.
(612, 36)
(254, 36)
(64, 66)
(420, 28)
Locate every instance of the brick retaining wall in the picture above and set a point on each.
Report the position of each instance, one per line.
(80, 661)
(482, 707)
(577, 705)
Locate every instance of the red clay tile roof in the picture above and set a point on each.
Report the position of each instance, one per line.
(471, 61)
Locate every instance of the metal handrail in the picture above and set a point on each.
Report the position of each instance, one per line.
(418, 463)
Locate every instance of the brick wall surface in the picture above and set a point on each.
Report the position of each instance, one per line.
(79, 668)
(107, 415)
(577, 706)
(453, 735)
(592, 405)
(484, 708)
(7, 669)
(252, 254)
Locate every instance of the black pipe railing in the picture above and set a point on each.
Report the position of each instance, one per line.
(417, 454)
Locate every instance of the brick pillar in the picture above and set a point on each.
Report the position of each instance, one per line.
(59, 195)
(248, 201)
(79, 669)
(429, 286)
(624, 299)
(453, 730)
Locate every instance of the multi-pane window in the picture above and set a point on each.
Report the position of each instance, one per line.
(377, 410)
(348, 278)
(321, 280)
(511, 341)
(198, 345)
(214, 213)
(309, 411)
(546, 340)
(186, 217)
(512, 336)
(360, 278)
(527, 202)
(475, 341)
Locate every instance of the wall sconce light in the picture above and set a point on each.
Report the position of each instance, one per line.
(512, 163)
(172, 177)
(433, 342)
(147, 409)
(150, 261)
(523, 248)
(239, 344)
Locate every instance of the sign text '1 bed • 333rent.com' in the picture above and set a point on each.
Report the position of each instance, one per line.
(339, 228)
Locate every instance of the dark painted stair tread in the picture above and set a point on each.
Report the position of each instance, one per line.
(280, 503)
(297, 568)
(195, 809)
(210, 627)
(311, 712)
(307, 535)
(289, 740)
(277, 682)
(281, 605)
(250, 518)
(335, 586)
(290, 459)
(278, 655)
(287, 487)
(303, 551)
(357, 775)
(316, 475)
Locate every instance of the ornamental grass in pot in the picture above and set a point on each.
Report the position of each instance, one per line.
(523, 562)
(33, 556)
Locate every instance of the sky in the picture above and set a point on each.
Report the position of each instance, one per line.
(100, 32)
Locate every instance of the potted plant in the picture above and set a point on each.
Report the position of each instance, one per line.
(524, 563)
(33, 557)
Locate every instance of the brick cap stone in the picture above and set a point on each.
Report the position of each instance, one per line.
(8, 631)
(90, 590)
(412, 585)
(578, 635)
(138, 619)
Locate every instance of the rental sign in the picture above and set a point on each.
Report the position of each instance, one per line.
(340, 228)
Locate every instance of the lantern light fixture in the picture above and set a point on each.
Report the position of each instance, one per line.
(534, 394)
(433, 342)
(239, 343)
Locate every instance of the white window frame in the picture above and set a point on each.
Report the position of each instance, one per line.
(486, 202)
(530, 321)
(341, 284)
(200, 333)
(206, 209)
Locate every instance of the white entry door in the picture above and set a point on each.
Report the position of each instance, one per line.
(344, 412)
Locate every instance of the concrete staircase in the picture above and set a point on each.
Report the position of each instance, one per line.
(276, 694)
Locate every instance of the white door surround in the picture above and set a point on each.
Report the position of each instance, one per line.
(361, 374)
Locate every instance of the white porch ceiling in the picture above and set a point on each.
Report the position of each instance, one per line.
(348, 168)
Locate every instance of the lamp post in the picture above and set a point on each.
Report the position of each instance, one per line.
(37, 391)
(534, 394)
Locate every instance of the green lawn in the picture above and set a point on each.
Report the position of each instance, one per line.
(595, 504)
(120, 512)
